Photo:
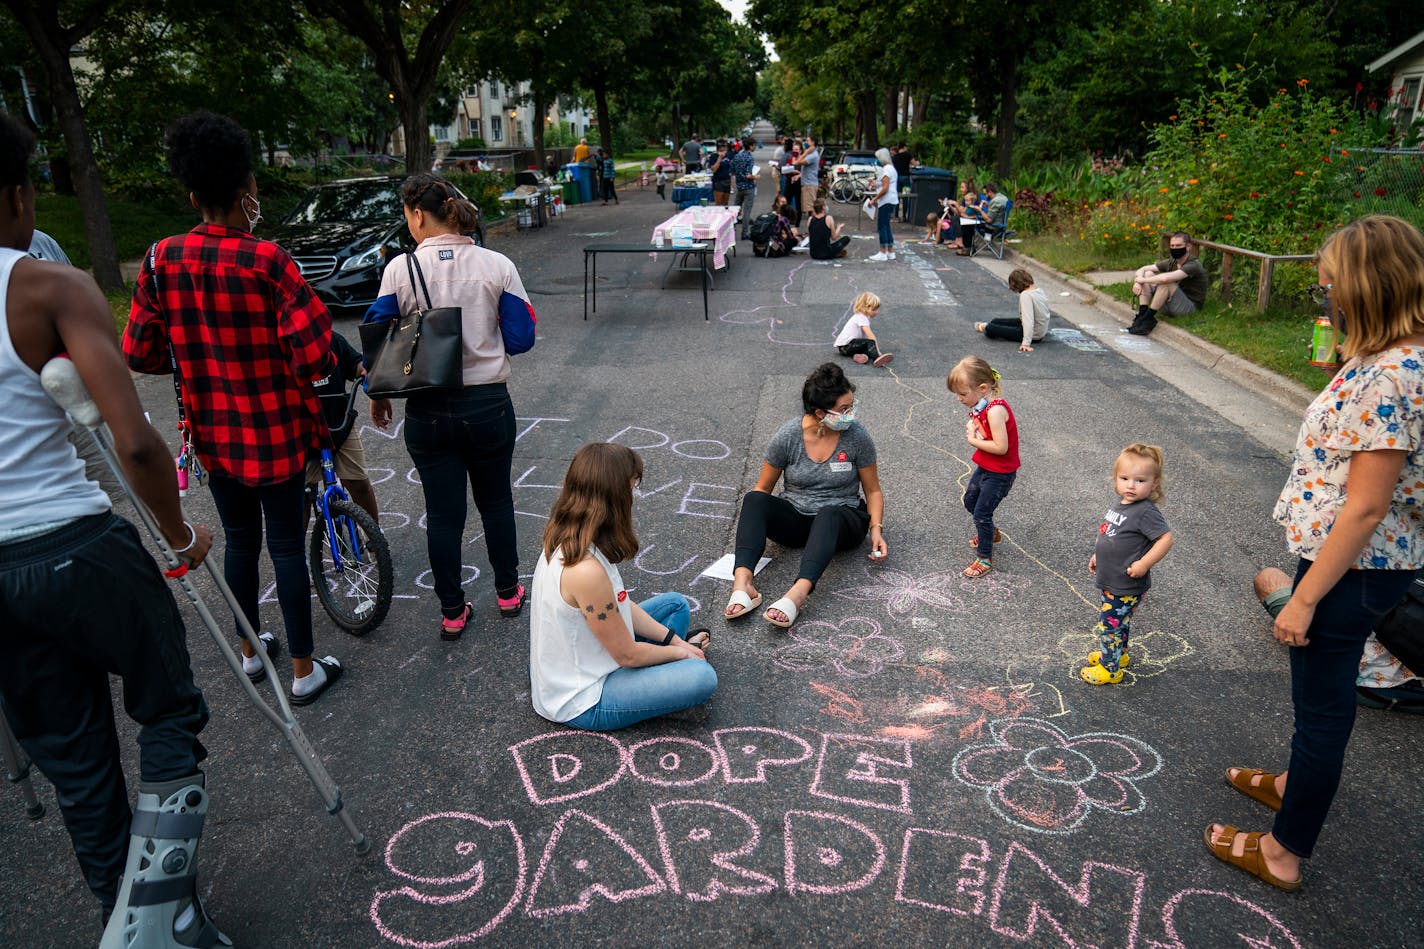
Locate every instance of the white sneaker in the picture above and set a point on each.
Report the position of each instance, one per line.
(878, 257)
(892, 256)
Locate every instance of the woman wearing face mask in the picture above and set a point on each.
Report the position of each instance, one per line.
(247, 337)
(830, 498)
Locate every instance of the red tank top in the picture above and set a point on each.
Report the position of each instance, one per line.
(1009, 460)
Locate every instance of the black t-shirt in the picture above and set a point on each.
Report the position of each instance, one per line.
(722, 177)
(901, 161)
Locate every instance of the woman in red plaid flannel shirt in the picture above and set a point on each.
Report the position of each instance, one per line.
(248, 337)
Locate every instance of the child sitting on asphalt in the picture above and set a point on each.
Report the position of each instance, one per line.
(1032, 323)
(993, 432)
(1131, 540)
(856, 339)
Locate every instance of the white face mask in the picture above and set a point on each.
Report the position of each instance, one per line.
(252, 210)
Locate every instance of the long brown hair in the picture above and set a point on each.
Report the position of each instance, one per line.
(595, 507)
(1376, 269)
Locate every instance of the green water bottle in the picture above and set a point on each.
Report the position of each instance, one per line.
(1322, 344)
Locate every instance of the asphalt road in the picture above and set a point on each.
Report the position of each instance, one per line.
(915, 763)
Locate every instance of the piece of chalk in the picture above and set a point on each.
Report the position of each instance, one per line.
(877, 554)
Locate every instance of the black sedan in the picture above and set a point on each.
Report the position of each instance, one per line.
(342, 233)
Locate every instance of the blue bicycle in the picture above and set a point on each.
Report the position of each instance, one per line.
(348, 555)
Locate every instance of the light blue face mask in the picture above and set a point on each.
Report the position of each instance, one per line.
(840, 421)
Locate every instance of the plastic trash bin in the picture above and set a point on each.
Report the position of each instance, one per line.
(930, 185)
(583, 177)
(570, 192)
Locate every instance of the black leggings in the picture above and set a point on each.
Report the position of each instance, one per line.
(1005, 328)
(834, 249)
(833, 528)
(862, 345)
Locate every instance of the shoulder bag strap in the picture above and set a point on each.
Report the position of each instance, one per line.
(412, 267)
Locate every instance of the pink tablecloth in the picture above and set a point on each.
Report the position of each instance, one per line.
(717, 224)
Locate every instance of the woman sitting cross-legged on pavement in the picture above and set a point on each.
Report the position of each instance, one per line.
(828, 460)
(466, 435)
(597, 660)
(827, 241)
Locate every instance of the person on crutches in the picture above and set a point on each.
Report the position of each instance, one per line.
(80, 597)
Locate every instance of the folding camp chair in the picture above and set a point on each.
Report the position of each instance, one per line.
(993, 237)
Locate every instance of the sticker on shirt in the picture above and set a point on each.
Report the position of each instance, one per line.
(842, 466)
(447, 255)
(622, 595)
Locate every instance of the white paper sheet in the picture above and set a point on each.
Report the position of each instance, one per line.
(721, 569)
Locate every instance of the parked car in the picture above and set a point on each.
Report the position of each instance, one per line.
(342, 233)
(841, 163)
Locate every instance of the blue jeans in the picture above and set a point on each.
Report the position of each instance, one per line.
(242, 510)
(465, 435)
(986, 489)
(883, 215)
(635, 695)
(1323, 692)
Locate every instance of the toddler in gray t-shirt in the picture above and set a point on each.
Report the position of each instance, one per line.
(1131, 540)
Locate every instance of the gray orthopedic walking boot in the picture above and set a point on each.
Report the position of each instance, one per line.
(158, 905)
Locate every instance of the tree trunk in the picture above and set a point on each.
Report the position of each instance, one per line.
(905, 108)
(1008, 111)
(891, 112)
(605, 123)
(416, 129)
(40, 21)
(867, 128)
(541, 107)
(922, 103)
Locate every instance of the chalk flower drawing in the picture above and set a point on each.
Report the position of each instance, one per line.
(854, 647)
(900, 591)
(1039, 778)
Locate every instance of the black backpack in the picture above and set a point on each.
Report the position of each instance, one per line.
(762, 228)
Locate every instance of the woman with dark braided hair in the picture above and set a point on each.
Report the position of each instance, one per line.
(247, 337)
(463, 434)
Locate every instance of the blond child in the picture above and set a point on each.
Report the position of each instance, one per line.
(1132, 539)
(993, 432)
(931, 229)
(856, 339)
(1032, 324)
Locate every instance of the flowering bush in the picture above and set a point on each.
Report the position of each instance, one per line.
(1274, 178)
(1128, 224)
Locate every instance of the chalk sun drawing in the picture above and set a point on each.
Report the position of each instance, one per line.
(900, 592)
(1037, 777)
(855, 648)
(1151, 652)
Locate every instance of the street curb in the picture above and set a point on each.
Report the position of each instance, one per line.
(1284, 392)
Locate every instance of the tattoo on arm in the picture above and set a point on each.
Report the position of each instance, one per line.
(603, 616)
(609, 606)
(589, 608)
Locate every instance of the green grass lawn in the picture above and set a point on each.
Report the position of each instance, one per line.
(1276, 340)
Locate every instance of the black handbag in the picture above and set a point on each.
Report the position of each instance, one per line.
(414, 352)
(1401, 630)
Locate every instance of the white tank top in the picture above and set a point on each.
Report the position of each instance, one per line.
(567, 663)
(41, 477)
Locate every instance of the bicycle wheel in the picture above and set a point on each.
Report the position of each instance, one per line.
(843, 190)
(357, 596)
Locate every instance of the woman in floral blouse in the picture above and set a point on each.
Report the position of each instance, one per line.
(1353, 510)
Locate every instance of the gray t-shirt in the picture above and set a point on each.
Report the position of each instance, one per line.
(810, 485)
(1128, 531)
(811, 172)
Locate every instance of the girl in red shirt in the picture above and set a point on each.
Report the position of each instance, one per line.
(994, 433)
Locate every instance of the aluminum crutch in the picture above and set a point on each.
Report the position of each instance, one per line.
(61, 381)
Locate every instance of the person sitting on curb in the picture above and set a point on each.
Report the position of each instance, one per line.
(1384, 681)
(1176, 285)
(992, 209)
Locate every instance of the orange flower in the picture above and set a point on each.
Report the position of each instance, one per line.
(1191, 181)
(1344, 151)
(1171, 118)
(1222, 135)
(1301, 173)
(1326, 159)
(1302, 82)
(1228, 217)
(1334, 131)
(1163, 190)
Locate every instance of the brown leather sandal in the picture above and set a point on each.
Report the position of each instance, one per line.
(1249, 859)
(1263, 791)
